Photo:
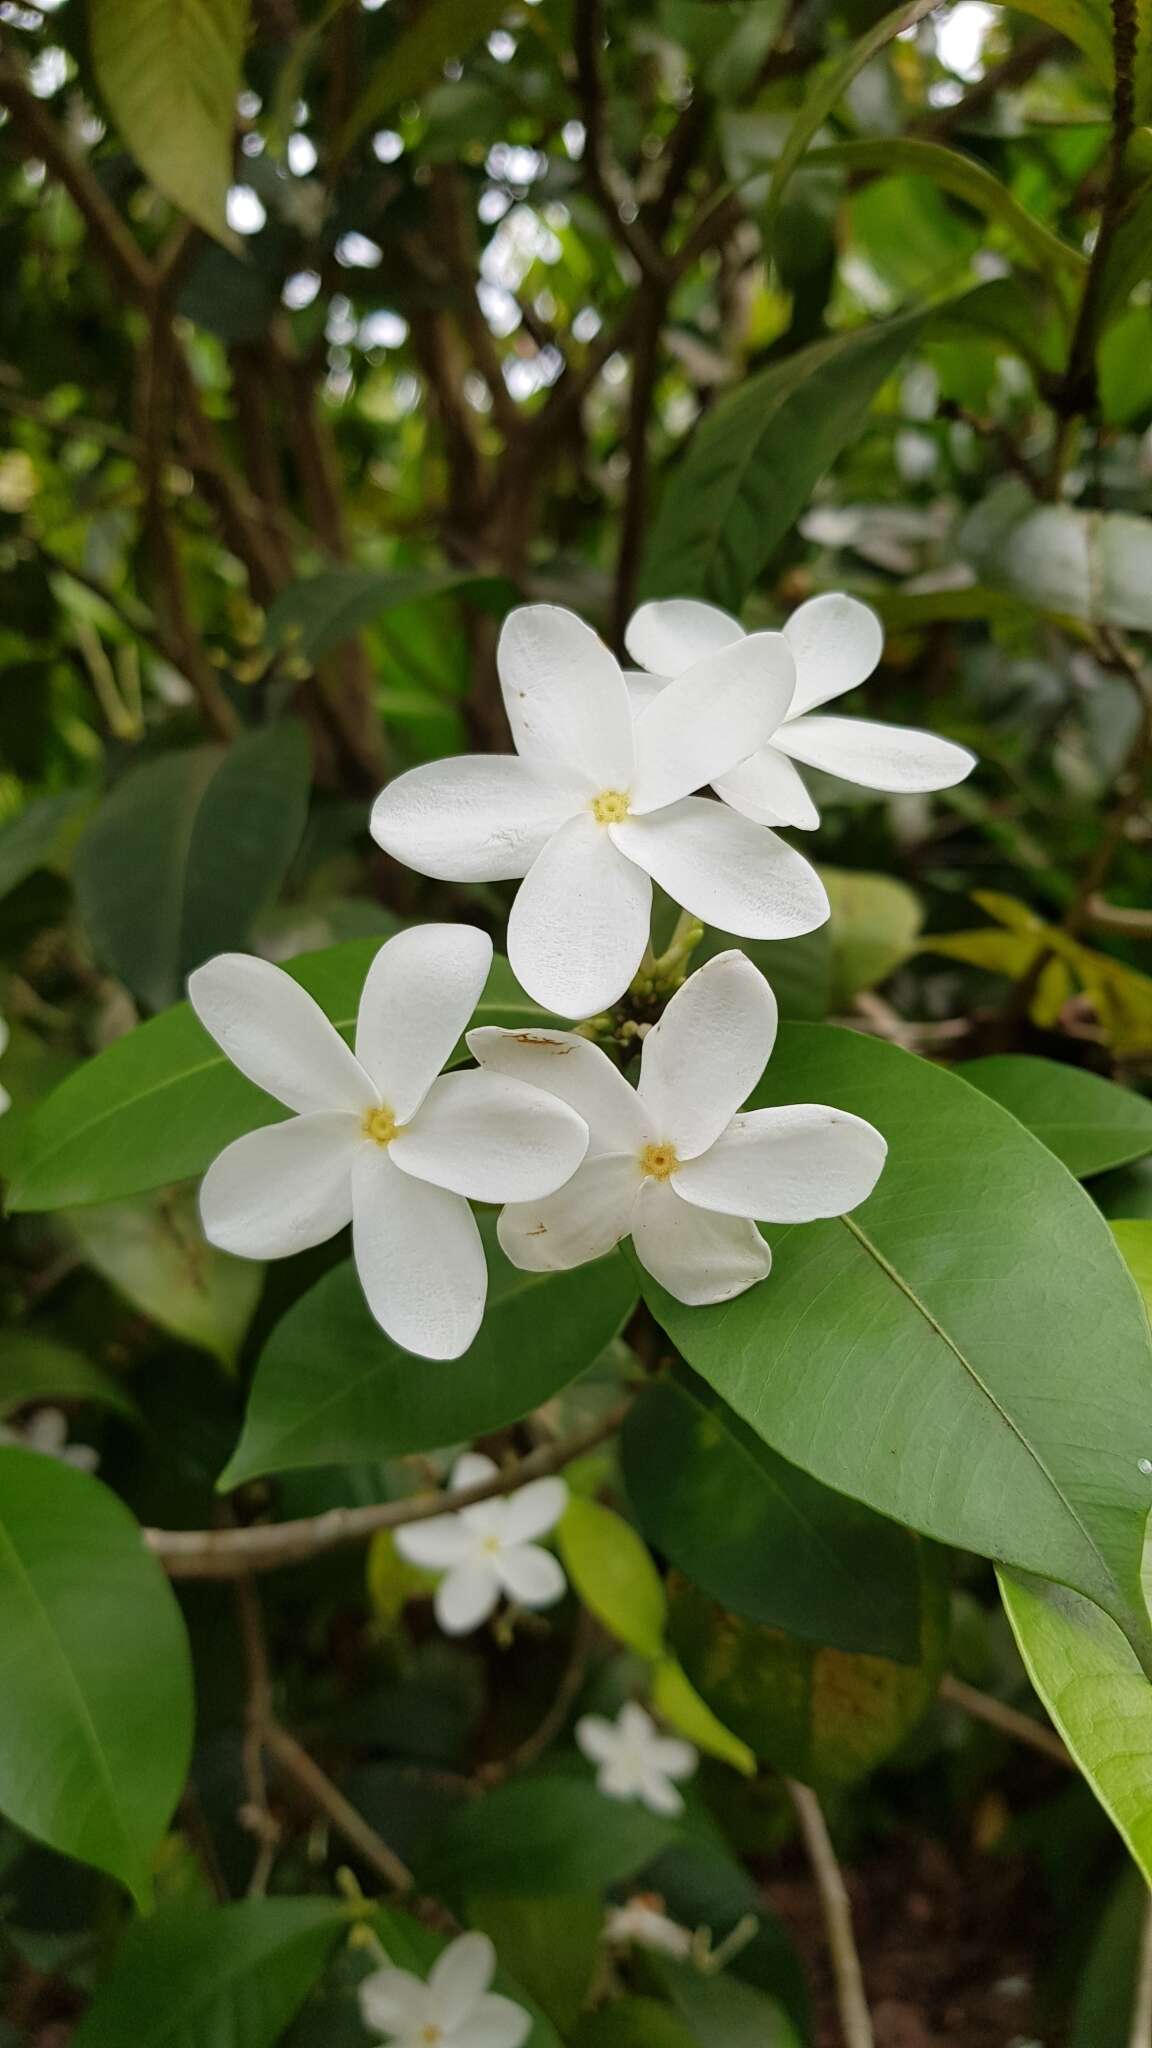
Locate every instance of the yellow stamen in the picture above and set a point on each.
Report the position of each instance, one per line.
(659, 1161)
(611, 807)
(431, 2034)
(380, 1125)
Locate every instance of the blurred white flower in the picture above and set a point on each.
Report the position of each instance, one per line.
(489, 1548)
(5, 1098)
(633, 1759)
(641, 1923)
(454, 2009)
(46, 1431)
(671, 1163)
(836, 642)
(378, 1140)
(592, 808)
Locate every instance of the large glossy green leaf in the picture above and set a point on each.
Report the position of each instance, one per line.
(722, 2012)
(95, 1677)
(170, 76)
(213, 1977)
(1094, 1689)
(822, 1715)
(966, 1352)
(154, 1253)
(439, 31)
(755, 457)
(185, 853)
(1086, 1121)
(158, 1105)
(331, 1388)
(551, 1946)
(39, 1369)
(541, 1836)
(316, 614)
(760, 1535)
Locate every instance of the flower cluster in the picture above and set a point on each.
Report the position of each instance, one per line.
(600, 800)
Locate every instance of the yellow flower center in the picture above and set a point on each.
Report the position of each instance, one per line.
(659, 1162)
(380, 1125)
(611, 807)
(431, 2033)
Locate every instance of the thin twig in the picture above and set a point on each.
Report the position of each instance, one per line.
(256, 1814)
(1009, 1720)
(305, 1772)
(852, 2005)
(230, 1553)
(600, 174)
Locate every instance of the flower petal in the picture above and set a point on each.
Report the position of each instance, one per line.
(642, 688)
(735, 875)
(465, 1599)
(596, 1737)
(472, 1469)
(787, 1165)
(564, 1064)
(439, 1545)
(477, 818)
(419, 1257)
(460, 1975)
(712, 717)
(579, 925)
(282, 1189)
(583, 1221)
(676, 1759)
(670, 635)
(274, 1032)
(491, 1138)
(534, 1510)
(837, 642)
(705, 1056)
(495, 2022)
(392, 2001)
(531, 1576)
(565, 697)
(889, 757)
(769, 790)
(696, 1265)
(658, 1795)
(418, 996)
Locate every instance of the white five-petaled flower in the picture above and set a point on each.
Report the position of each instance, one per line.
(46, 1431)
(593, 807)
(489, 1548)
(641, 1922)
(836, 642)
(454, 2009)
(633, 1759)
(671, 1163)
(381, 1138)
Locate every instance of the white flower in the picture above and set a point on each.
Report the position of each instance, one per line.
(46, 1431)
(634, 1760)
(489, 1548)
(836, 642)
(5, 1098)
(592, 808)
(670, 1163)
(454, 2009)
(641, 1923)
(378, 1140)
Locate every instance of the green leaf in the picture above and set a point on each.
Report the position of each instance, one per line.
(316, 614)
(968, 179)
(966, 1352)
(722, 2012)
(37, 837)
(96, 1704)
(181, 858)
(798, 969)
(614, 1575)
(677, 1702)
(550, 1946)
(331, 1388)
(157, 1106)
(170, 76)
(1126, 1193)
(1087, 1122)
(634, 2023)
(213, 1977)
(754, 459)
(542, 1836)
(441, 30)
(1085, 23)
(875, 924)
(758, 1534)
(1106, 1990)
(1135, 1242)
(1094, 1690)
(821, 1715)
(38, 1369)
(153, 1252)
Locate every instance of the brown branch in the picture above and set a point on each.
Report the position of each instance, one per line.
(633, 525)
(256, 1814)
(230, 1553)
(1008, 1720)
(852, 2004)
(1117, 917)
(456, 234)
(599, 172)
(318, 1787)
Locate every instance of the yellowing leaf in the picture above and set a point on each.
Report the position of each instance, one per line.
(614, 1575)
(1135, 1242)
(391, 1580)
(170, 75)
(677, 1701)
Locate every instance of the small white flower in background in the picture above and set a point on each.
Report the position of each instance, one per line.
(633, 1759)
(378, 1139)
(670, 1162)
(454, 2009)
(641, 1923)
(593, 807)
(5, 1098)
(836, 642)
(46, 1431)
(489, 1548)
